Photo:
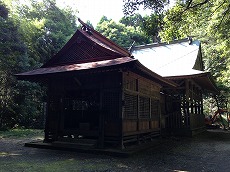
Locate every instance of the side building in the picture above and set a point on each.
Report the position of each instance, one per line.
(179, 61)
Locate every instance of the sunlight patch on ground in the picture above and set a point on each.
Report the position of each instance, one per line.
(4, 154)
(122, 166)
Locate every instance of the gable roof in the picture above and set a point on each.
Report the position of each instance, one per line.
(86, 45)
(177, 60)
(88, 49)
(173, 59)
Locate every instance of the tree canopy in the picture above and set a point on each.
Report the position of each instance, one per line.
(148, 25)
(130, 6)
(13, 59)
(45, 28)
(123, 34)
(31, 34)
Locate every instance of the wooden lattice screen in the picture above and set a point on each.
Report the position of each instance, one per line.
(110, 104)
(130, 110)
(144, 107)
(155, 108)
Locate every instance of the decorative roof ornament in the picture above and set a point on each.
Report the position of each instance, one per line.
(190, 40)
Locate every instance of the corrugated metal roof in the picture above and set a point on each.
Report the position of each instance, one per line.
(169, 59)
(176, 60)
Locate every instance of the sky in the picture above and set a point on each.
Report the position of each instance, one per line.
(93, 10)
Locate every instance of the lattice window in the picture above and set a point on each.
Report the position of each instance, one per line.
(154, 108)
(111, 104)
(130, 109)
(144, 107)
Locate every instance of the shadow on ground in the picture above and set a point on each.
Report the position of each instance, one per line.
(209, 151)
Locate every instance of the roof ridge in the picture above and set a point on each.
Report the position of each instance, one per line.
(99, 35)
(158, 44)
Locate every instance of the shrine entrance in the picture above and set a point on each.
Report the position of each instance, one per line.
(81, 112)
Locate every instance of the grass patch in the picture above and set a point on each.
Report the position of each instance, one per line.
(70, 165)
(21, 133)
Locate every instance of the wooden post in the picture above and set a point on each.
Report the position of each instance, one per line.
(47, 121)
(187, 102)
(150, 112)
(101, 130)
(46, 139)
(160, 116)
(121, 111)
(138, 118)
(101, 123)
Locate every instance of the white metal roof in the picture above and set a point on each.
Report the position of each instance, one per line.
(175, 59)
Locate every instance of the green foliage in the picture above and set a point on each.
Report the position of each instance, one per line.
(120, 33)
(149, 25)
(152, 25)
(45, 28)
(31, 34)
(21, 133)
(208, 22)
(130, 6)
(134, 20)
(13, 59)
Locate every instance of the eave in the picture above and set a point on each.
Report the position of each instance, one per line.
(204, 79)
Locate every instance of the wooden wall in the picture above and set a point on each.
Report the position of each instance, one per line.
(184, 108)
(194, 104)
(101, 91)
(141, 106)
(130, 104)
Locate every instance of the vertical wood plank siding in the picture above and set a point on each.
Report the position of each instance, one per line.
(141, 104)
(186, 109)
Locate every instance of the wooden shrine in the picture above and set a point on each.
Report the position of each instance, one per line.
(98, 94)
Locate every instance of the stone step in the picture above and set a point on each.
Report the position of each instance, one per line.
(75, 144)
(77, 140)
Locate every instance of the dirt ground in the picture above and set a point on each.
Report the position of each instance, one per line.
(207, 152)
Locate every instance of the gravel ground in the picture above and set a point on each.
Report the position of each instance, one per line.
(207, 152)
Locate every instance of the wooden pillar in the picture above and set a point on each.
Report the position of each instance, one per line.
(46, 131)
(101, 130)
(191, 95)
(121, 111)
(101, 122)
(150, 112)
(187, 102)
(138, 117)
